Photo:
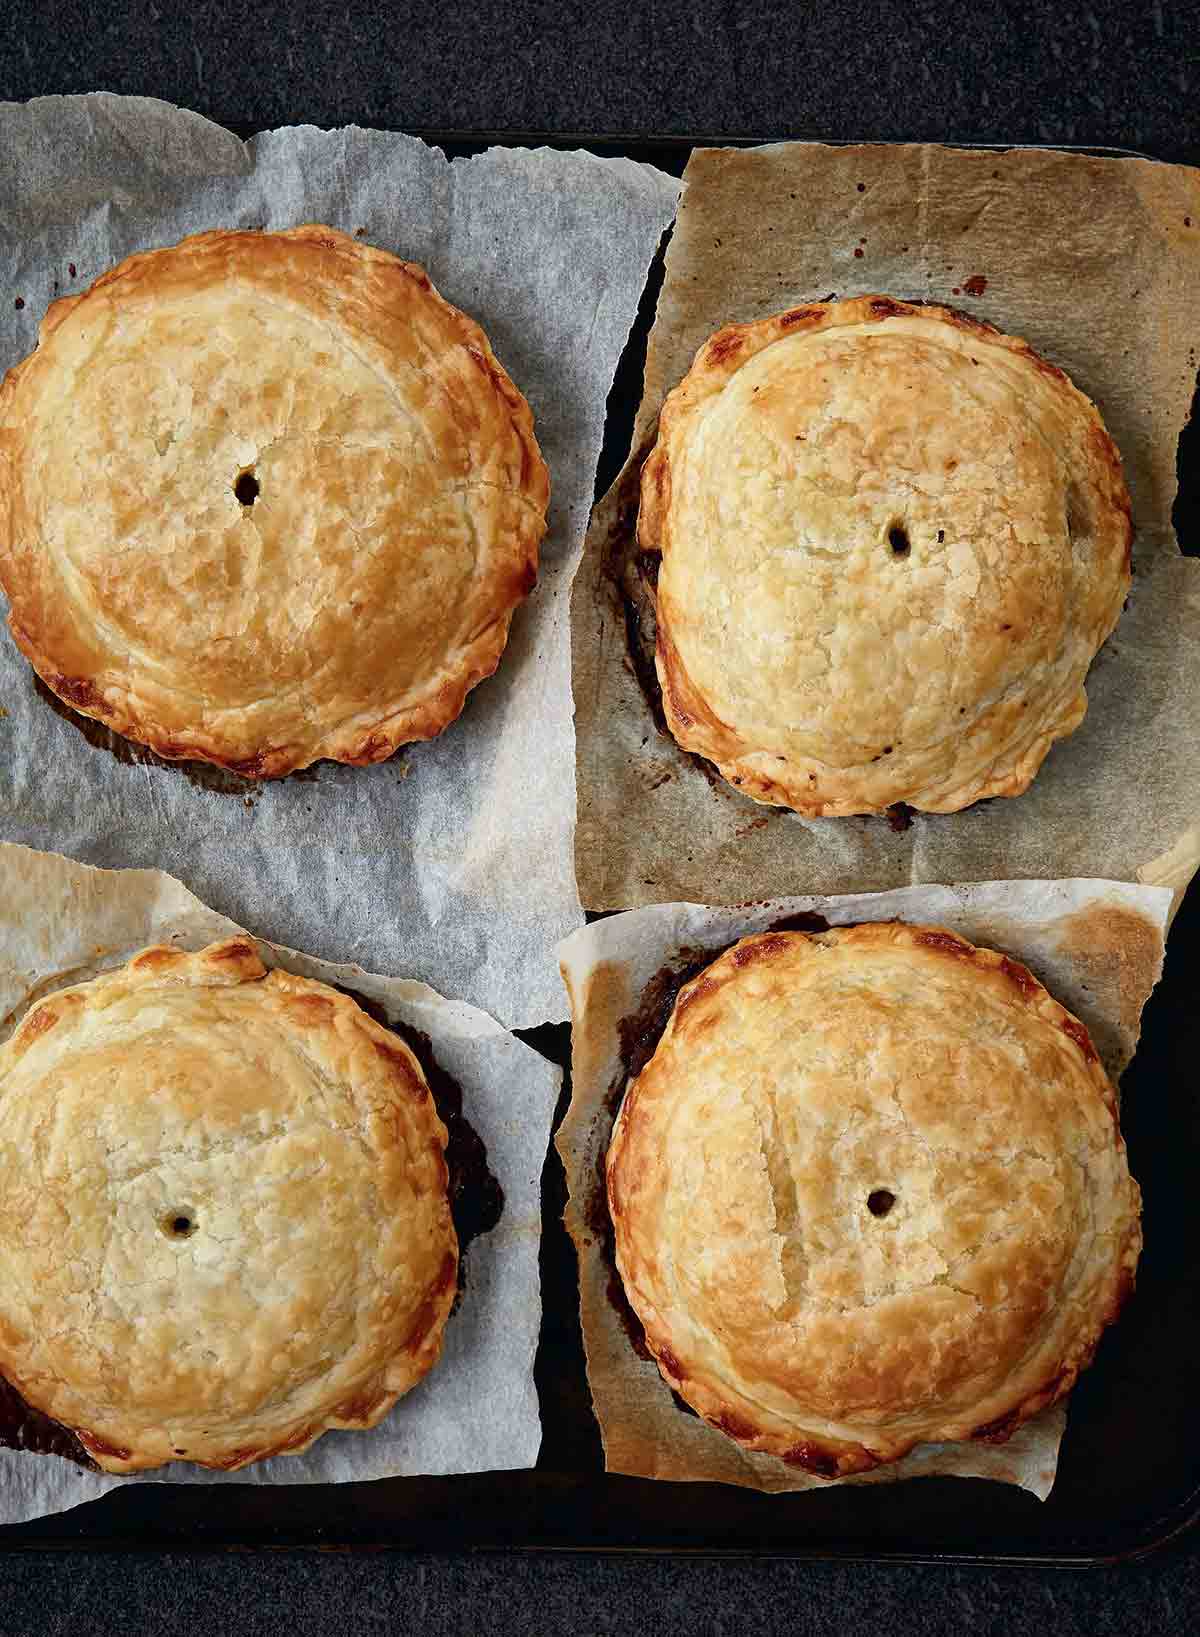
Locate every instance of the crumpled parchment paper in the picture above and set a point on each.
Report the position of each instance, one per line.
(1096, 262)
(421, 864)
(477, 1410)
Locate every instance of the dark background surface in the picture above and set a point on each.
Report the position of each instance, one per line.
(1125, 75)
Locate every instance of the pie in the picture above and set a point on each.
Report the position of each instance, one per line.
(870, 1192)
(892, 540)
(226, 1226)
(266, 498)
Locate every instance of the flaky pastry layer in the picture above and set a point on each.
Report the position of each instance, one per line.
(893, 539)
(870, 1192)
(266, 498)
(226, 1226)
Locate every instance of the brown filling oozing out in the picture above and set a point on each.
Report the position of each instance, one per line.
(23, 1427)
(632, 574)
(222, 781)
(476, 1196)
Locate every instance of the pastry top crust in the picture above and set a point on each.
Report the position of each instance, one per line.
(892, 541)
(226, 1225)
(869, 1192)
(343, 607)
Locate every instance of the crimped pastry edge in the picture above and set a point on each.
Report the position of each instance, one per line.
(368, 736)
(997, 1418)
(693, 723)
(230, 962)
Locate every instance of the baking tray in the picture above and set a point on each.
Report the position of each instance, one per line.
(1129, 1474)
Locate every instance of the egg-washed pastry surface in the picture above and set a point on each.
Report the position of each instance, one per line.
(893, 539)
(226, 1226)
(869, 1192)
(266, 498)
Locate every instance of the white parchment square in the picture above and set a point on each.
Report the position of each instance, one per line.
(477, 1410)
(421, 864)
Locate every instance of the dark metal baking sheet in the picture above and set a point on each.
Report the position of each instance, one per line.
(1129, 1475)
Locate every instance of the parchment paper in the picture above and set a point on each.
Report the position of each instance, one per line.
(1095, 263)
(427, 874)
(477, 1410)
(1096, 945)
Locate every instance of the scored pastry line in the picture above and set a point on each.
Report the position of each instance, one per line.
(1090, 1285)
(793, 1263)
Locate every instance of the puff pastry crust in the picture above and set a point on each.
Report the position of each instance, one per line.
(892, 541)
(870, 1192)
(266, 498)
(226, 1226)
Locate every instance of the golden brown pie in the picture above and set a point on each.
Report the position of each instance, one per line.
(892, 541)
(265, 498)
(225, 1226)
(869, 1192)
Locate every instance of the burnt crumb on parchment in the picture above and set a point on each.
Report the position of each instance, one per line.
(476, 1196)
(805, 920)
